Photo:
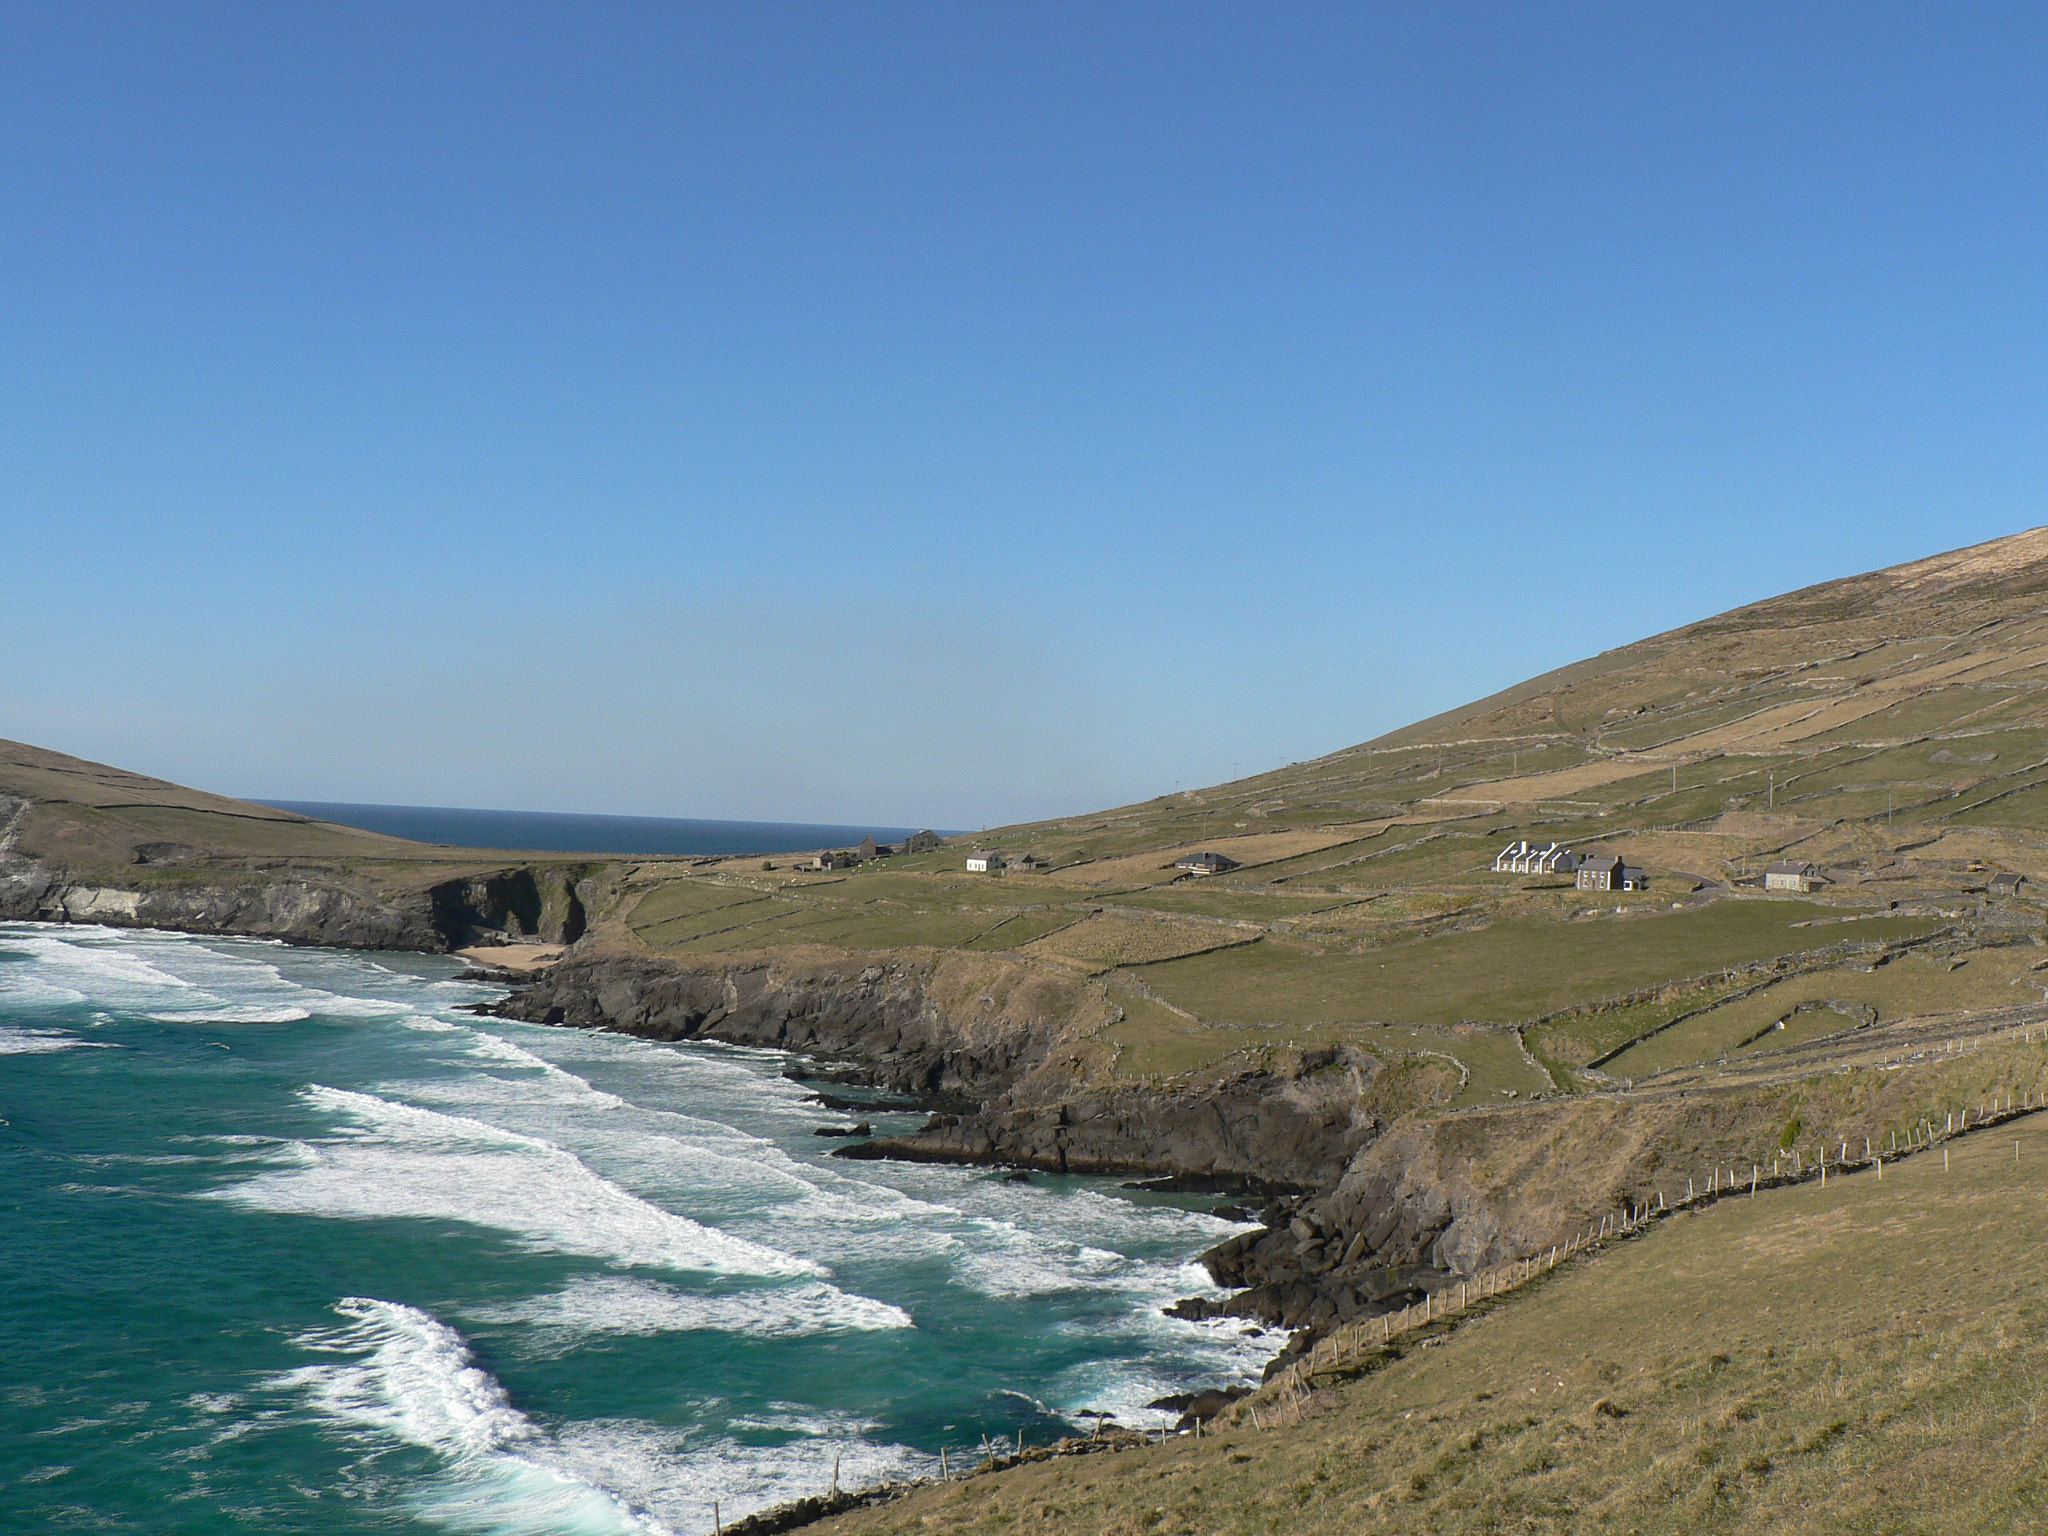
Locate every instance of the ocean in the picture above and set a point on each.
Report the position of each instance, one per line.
(292, 1244)
(564, 832)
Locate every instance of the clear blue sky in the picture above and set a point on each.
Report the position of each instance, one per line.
(953, 414)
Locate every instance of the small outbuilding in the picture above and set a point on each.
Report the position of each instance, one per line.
(2005, 884)
(870, 849)
(1792, 875)
(983, 862)
(1027, 862)
(834, 858)
(1610, 872)
(1205, 864)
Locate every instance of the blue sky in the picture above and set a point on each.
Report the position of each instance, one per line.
(953, 414)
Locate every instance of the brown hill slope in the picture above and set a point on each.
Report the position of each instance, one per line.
(82, 841)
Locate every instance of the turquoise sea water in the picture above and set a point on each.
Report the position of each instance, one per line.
(291, 1245)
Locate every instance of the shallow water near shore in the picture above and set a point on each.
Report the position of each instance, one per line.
(293, 1245)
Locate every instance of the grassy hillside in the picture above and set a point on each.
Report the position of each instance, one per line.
(1892, 728)
(1864, 1357)
(105, 827)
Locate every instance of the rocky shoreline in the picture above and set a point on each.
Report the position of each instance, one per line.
(1332, 1248)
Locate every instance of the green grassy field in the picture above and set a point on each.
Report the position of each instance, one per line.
(1515, 970)
(1864, 1358)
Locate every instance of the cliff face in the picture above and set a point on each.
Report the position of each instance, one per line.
(1258, 1133)
(188, 889)
(900, 1021)
(302, 910)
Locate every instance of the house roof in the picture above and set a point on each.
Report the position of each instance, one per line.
(1793, 867)
(1601, 862)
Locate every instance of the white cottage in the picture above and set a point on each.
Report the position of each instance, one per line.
(1523, 857)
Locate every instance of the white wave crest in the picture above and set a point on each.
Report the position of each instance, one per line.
(411, 1377)
(406, 1161)
(230, 1013)
(619, 1305)
(36, 1042)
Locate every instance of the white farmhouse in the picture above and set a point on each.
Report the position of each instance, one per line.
(982, 862)
(1792, 875)
(1608, 872)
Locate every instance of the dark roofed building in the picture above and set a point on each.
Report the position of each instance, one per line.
(924, 841)
(1608, 872)
(1205, 864)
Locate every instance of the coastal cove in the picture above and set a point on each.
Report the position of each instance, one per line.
(301, 1241)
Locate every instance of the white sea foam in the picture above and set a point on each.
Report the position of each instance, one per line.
(402, 1375)
(229, 1013)
(35, 1042)
(677, 1479)
(409, 1377)
(400, 1160)
(101, 961)
(173, 978)
(609, 1304)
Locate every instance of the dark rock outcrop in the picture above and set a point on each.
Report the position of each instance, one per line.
(301, 909)
(886, 1021)
(1259, 1132)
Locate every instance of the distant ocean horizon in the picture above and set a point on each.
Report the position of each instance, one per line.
(569, 832)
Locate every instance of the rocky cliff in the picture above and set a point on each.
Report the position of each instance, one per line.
(158, 883)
